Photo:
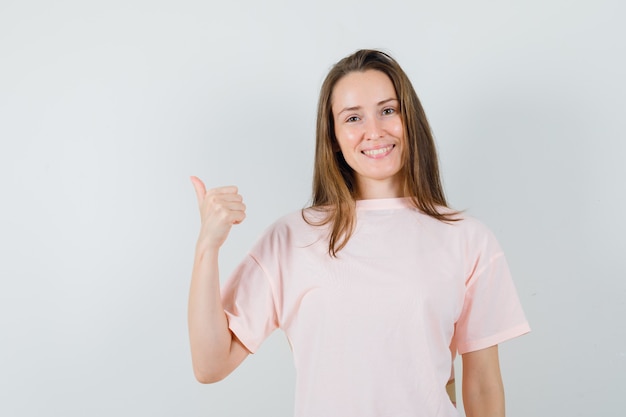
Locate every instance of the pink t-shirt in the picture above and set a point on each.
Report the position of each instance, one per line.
(375, 331)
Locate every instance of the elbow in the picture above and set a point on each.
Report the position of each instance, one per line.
(204, 376)
(207, 379)
(213, 365)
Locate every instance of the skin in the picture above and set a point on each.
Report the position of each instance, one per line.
(369, 131)
(483, 391)
(215, 351)
(370, 135)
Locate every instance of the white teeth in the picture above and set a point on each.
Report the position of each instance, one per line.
(378, 151)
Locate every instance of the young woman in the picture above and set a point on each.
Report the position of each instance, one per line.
(378, 285)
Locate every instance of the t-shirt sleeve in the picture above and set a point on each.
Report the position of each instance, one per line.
(492, 312)
(248, 300)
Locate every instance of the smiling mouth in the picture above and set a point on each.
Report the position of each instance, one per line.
(379, 151)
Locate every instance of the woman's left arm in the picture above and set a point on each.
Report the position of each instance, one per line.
(483, 391)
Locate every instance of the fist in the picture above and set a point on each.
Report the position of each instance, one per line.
(220, 208)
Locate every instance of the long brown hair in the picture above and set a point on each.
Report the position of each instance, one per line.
(334, 182)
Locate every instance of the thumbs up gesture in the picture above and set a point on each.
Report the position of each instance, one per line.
(220, 208)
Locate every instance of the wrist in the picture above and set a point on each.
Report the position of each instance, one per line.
(207, 250)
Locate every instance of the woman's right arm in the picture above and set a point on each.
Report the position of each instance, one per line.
(215, 351)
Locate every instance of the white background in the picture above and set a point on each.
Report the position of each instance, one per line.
(107, 108)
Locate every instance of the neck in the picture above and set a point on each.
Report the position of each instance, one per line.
(375, 190)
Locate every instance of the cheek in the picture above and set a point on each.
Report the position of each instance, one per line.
(397, 129)
(346, 136)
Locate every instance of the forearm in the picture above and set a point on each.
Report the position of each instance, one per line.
(483, 391)
(484, 402)
(215, 352)
(209, 335)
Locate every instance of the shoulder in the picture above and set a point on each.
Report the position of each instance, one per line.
(472, 225)
(459, 222)
(470, 231)
(479, 239)
(294, 228)
(295, 220)
(462, 220)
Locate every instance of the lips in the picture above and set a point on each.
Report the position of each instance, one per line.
(378, 152)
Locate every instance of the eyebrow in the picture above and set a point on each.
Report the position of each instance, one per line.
(380, 103)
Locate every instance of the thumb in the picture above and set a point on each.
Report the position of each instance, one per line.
(198, 185)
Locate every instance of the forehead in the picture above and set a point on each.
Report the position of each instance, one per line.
(362, 88)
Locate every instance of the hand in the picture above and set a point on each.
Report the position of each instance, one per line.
(220, 209)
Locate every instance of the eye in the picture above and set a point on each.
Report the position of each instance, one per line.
(352, 119)
(389, 110)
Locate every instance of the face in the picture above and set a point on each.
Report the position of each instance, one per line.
(369, 130)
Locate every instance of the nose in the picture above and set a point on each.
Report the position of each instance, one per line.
(374, 129)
